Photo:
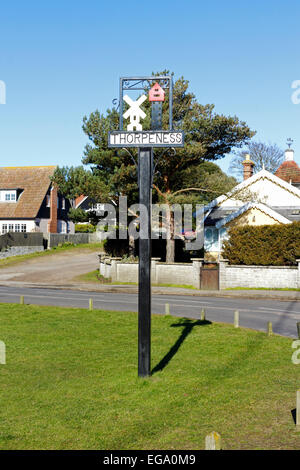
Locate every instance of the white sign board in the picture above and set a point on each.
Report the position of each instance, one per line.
(145, 139)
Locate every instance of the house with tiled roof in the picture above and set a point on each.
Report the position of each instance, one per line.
(30, 203)
(289, 171)
(262, 198)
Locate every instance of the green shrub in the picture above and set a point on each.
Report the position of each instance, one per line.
(265, 245)
(84, 228)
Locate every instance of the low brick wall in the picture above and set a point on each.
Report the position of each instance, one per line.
(259, 276)
(19, 250)
(161, 273)
(189, 274)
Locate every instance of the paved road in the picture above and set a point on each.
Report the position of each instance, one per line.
(253, 313)
(55, 269)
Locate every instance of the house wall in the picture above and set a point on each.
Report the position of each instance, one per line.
(30, 224)
(253, 216)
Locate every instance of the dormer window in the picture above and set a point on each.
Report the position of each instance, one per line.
(8, 195)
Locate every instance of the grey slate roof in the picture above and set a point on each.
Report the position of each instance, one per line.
(218, 213)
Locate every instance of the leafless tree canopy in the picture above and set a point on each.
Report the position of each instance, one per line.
(269, 156)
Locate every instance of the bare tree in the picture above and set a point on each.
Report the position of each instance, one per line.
(267, 156)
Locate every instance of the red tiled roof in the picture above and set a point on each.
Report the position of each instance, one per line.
(289, 171)
(34, 183)
(79, 199)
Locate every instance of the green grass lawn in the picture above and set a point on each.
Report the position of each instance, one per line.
(70, 382)
(12, 260)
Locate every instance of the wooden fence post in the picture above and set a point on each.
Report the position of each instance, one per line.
(90, 304)
(236, 319)
(21, 299)
(167, 309)
(202, 317)
(213, 441)
(270, 330)
(298, 409)
(298, 329)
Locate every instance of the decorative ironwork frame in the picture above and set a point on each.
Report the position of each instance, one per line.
(140, 83)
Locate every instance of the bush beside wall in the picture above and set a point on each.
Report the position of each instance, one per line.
(265, 245)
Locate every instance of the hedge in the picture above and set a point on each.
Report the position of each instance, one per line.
(84, 228)
(264, 245)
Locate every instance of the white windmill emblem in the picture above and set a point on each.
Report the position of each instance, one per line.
(135, 113)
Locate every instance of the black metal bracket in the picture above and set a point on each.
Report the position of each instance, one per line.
(142, 83)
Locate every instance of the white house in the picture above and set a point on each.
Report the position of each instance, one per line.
(262, 198)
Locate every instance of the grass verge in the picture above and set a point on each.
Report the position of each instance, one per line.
(70, 382)
(94, 276)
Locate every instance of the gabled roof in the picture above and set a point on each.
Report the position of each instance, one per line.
(33, 181)
(248, 182)
(79, 200)
(289, 171)
(249, 205)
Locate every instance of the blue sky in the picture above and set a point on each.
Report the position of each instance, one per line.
(61, 60)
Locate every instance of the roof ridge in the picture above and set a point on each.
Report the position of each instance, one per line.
(30, 166)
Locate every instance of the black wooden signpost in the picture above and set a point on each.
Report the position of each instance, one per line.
(145, 141)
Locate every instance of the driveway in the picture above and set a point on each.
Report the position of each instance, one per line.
(55, 269)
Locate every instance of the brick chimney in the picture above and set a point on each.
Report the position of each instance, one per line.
(52, 224)
(248, 167)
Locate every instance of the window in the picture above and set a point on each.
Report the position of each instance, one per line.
(63, 203)
(10, 227)
(4, 228)
(23, 227)
(17, 228)
(61, 226)
(10, 196)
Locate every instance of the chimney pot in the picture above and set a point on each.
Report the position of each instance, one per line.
(289, 155)
(248, 167)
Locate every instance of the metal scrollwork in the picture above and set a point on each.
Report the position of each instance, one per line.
(116, 103)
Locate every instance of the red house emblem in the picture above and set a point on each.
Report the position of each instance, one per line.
(156, 93)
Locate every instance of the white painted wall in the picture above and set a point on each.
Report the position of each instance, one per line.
(30, 224)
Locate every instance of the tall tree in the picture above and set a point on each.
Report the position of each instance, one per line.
(208, 136)
(267, 156)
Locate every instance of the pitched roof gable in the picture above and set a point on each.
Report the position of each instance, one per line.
(263, 174)
(34, 181)
(249, 205)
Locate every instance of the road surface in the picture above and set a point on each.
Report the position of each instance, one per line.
(254, 313)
